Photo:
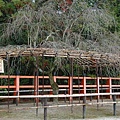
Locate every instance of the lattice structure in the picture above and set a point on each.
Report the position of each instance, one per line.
(83, 58)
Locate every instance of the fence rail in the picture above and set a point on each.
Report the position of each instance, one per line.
(75, 85)
(61, 96)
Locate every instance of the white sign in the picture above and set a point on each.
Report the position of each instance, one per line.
(1, 66)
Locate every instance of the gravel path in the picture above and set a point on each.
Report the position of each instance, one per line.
(24, 112)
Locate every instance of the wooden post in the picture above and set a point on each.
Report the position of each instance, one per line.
(36, 81)
(79, 88)
(65, 94)
(35, 87)
(54, 77)
(70, 88)
(83, 82)
(109, 90)
(15, 92)
(98, 90)
(114, 104)
(45, 109)
(17, 87)
(8, 70)
(84, 107)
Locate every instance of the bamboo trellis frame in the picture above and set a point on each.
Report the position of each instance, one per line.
(83, 57)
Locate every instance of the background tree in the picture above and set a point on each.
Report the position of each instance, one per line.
(9, 7)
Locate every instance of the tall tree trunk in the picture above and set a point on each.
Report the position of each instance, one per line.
(54, 86)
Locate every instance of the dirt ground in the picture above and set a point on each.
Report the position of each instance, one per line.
(27, 111)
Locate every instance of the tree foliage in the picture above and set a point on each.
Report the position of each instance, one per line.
(81, 26)
(9, 7)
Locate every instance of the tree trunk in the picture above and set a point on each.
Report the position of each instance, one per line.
(54, 86)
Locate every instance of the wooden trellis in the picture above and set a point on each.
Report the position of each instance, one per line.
(84, 58)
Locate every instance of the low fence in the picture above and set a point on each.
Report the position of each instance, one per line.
(83, 104)
(82, 84)
(72, 87)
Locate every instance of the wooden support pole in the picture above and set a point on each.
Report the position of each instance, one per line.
(71, 83)
(65, 94)
(37, 94)
(71, 79)
(36, 81)
(83, 83)
(98, 90)
(79, 88)
(98, 87)
(8, 70)
(45, 109)
(114, 105)
(84, 107)
(70, 88)
(17, 89)
(109, 90)
(54, 77)
(35, 87)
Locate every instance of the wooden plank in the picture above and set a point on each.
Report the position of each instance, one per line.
(7, 87)
(60, 96)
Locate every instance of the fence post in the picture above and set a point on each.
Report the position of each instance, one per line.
(98, 90)
(109, 90)
(84, 107)
(70, 89)
(17, 99)
(45, 109)
(114, 104)
(83, 83)
(17, 87)
(65, 94)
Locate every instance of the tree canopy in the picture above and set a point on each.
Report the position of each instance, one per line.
(81, 26)
(9, 7)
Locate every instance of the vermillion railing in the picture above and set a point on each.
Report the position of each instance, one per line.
(72, 86)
